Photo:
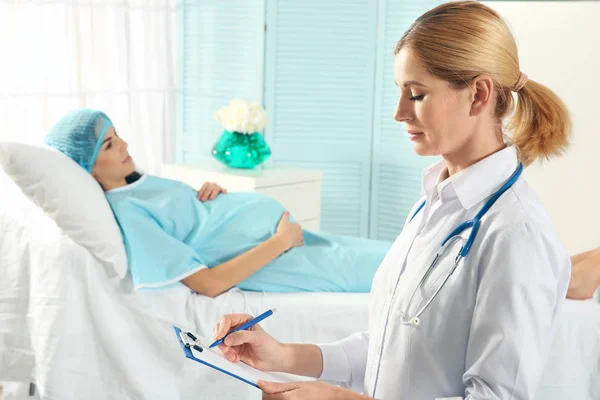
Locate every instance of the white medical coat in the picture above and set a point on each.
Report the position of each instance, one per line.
(487, 333)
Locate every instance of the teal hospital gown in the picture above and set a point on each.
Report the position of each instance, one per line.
(169, 234)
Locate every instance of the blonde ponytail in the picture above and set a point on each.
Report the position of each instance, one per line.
(540, 126)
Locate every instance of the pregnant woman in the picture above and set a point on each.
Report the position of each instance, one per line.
(209, 240)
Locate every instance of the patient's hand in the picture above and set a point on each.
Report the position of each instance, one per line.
(209, 191)
(290, 232)
(585, 276)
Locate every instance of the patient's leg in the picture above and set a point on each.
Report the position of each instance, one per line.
(585, 275)
(327, 263)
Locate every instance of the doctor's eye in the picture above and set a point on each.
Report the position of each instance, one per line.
(417, 98)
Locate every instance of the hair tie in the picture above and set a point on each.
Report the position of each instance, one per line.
(520, 83)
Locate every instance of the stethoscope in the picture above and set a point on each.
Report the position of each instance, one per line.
(453, 237)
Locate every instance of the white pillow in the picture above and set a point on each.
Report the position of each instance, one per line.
(70, 196)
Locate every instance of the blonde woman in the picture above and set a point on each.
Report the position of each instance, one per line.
(478, 324)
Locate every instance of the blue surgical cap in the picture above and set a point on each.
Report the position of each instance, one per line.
(79, 135)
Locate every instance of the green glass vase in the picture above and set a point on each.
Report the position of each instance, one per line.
(239, 150)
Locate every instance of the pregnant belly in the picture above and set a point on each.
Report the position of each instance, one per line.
(235, 223)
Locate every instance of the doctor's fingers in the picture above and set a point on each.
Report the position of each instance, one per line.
(230, 321)
(239, 343)
(276, 390)
(276, 396)
(243, 337)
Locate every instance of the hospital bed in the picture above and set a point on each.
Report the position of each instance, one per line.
(78, 332)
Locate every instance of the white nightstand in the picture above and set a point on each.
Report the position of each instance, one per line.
(299, 190)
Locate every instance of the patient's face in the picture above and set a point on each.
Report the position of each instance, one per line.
(114, 162)
(436, 115)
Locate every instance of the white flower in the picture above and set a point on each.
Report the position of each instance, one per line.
(242, 116)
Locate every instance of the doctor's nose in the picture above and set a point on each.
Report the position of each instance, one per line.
(402, 114)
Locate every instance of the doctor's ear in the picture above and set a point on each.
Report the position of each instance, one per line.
(481, 94)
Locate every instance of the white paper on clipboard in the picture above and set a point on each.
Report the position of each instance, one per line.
(215, 358)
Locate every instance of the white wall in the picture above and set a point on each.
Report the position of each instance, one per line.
(559, 46)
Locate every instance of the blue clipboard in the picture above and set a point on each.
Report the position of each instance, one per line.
(188, 353)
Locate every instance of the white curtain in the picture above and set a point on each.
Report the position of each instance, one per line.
(114, 55)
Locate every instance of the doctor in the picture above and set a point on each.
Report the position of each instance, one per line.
(482, 332)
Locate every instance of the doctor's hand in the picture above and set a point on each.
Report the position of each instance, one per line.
(305, 390)
(209, 191)
(290, 232)
(254, 346)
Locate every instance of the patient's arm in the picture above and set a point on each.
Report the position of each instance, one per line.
(213, 281)
(585, 275)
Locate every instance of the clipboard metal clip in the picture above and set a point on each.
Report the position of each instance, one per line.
(189, 340)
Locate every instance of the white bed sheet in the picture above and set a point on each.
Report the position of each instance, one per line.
(78, 332)
(573, 366)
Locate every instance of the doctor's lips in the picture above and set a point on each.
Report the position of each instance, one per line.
(413, 135)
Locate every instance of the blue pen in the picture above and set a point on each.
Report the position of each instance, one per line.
(245, 326)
